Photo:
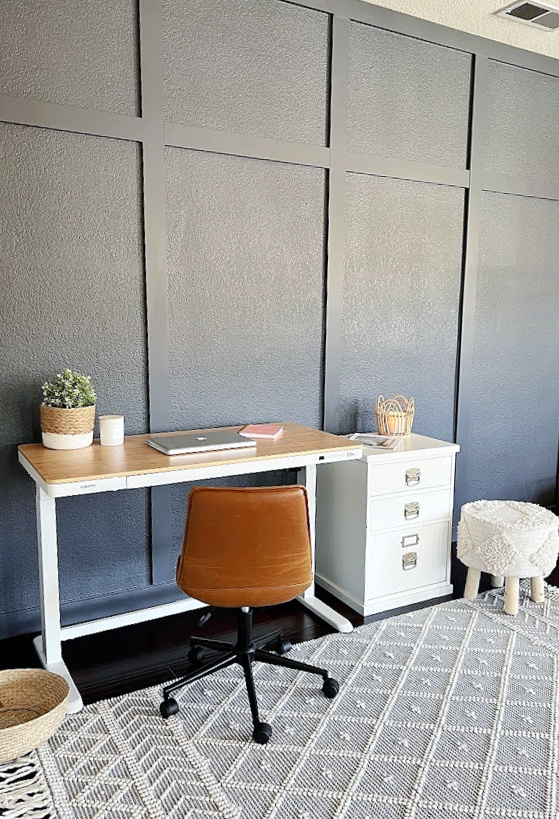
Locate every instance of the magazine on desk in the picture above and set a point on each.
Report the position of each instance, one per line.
(376, 441)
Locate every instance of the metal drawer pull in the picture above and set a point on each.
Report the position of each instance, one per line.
(410, 540)
(413, 476)
(411, 510)
(409, 561)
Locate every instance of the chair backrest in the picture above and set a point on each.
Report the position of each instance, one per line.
(246, 546)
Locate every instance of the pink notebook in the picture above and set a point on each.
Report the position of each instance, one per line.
(261, 431)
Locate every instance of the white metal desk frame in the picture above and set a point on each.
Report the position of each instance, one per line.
(48, 644)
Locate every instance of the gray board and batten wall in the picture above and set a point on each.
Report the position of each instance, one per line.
(249, 210)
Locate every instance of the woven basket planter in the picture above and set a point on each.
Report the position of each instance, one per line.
(394, 415)
(33, 703)
(67, 428)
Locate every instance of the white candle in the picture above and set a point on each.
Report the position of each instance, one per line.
(111, 429)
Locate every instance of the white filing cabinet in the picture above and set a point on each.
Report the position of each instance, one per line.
(384, 525)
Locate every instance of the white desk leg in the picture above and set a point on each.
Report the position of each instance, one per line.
(307, 477)
(49, 643)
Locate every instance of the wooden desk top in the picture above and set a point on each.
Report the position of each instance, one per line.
(135, 457)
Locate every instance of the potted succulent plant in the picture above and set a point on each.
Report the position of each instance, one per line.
(68, 411)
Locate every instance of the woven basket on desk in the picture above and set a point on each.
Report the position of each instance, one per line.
(394, 415)
(67, 428)
(33, 703)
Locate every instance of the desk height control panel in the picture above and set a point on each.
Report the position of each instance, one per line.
(384, 525)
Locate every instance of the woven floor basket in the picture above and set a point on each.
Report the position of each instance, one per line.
(74, 421)
(33, 703)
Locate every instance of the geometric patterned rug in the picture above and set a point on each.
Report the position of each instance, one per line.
(449, 711)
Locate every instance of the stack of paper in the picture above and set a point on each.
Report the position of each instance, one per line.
(376, 441)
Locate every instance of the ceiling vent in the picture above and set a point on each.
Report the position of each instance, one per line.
(533, 14)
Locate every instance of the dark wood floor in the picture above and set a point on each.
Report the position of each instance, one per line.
(112, 663)
(116, 662)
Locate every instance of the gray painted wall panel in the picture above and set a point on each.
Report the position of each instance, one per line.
(515, 393)
(403, 247)
(246, 66)
(72, 285)
(407, 99)
(521, 134)
(71, 52)
(245, 262)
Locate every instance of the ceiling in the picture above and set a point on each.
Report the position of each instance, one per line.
(476, 17)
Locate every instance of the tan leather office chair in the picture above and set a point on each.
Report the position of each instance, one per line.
(243, 548)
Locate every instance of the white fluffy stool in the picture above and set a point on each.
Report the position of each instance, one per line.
(510, 540)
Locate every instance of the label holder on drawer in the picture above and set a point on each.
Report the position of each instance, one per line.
(410, 540)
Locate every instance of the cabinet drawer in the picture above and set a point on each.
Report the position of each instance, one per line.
(411, 509)
(422, 560)
(409, 475)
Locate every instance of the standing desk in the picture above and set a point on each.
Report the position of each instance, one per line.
(62, 474)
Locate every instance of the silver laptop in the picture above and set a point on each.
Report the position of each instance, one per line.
(185, 442)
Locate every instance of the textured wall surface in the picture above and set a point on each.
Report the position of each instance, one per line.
(71, 278)
(515, 393)
(260, 69)
(245, 264)
(521, 135)
(401, 293)
(71, 52)
(407, 99)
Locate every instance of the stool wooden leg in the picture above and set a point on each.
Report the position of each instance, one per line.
(497, 581)
(511, 595)
(472, 584)
(537, 595)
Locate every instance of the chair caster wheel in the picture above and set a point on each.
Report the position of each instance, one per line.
(330, 688)
(196, 655)
(168, 708)
(262, 733)
(282, 645)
